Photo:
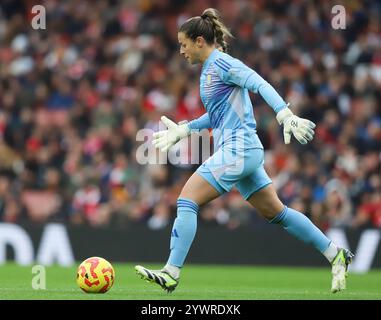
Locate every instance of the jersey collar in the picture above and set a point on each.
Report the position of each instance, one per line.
(210, 59)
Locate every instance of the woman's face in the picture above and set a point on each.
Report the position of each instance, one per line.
(191, 50)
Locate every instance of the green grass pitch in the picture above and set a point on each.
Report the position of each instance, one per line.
(204, 282)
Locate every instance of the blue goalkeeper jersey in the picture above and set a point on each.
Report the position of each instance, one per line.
(225, 83)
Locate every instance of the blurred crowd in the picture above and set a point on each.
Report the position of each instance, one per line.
(73, 97)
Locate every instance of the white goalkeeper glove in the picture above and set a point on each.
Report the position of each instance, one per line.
(164, 139)
(302, 129)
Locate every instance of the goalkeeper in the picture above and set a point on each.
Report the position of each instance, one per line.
(238, 160)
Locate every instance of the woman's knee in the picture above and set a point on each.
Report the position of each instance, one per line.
(270, 210)
(267, 203)
(198, 190)
(189, 192)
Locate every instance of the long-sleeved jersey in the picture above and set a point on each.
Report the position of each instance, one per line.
(225, 83)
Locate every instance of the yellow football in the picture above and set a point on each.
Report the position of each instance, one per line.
(95, 275)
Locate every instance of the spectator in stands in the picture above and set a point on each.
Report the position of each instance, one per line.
(73, 97)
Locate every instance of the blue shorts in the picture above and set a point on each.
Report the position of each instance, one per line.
(228, 168)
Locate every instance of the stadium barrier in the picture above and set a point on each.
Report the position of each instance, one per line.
(56, 243)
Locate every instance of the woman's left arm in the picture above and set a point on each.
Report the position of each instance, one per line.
(234, 71)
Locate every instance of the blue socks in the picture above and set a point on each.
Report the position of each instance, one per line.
(298, 225)
(185, 226)
(183, 231)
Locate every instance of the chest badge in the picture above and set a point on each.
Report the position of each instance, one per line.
(209, 79)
